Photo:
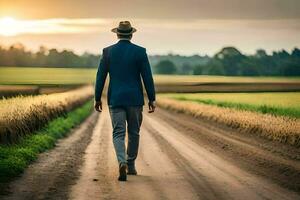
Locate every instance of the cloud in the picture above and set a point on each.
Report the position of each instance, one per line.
(12, 27)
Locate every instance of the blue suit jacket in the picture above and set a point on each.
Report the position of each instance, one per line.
(126, 64)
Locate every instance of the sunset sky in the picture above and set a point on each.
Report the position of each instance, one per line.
(179, 26)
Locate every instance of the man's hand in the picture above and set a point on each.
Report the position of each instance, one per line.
(98, 106)
(152, 106)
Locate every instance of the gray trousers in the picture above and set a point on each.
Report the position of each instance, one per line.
(133, 116)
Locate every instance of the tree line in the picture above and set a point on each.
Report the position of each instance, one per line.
(229, 61)
(17, 55)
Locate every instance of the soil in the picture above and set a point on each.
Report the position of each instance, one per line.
(180, 157)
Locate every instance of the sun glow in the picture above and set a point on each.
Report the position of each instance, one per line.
(12, 27)
(9, 26)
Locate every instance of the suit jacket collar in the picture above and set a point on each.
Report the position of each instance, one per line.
(124, 40)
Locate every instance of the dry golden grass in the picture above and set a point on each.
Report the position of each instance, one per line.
(283, 129)
(23, 115)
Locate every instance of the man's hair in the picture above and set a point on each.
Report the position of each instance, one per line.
(124, 36)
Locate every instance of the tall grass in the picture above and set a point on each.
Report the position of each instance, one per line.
(265, 109)
(275, 103)
(14, 158)
(23, 115)
(283, 129)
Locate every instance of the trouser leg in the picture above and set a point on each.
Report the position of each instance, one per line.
(134, 121)
(118, 119)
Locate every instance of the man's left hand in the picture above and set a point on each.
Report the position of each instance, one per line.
(151, 106)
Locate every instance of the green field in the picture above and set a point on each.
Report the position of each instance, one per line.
(276, 103)
(39, 76)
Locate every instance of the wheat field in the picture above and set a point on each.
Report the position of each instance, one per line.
(279, 128)
(276, 103)
(23, 115)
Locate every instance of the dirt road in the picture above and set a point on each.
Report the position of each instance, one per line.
(180, 158)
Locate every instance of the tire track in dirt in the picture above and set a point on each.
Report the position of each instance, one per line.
(157, 177)
(274, 161)
(167, 178)
(201, 187)
(95, 169)
(227, 180)
(55, 170)
(101, 165)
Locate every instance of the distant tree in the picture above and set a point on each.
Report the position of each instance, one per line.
(292, 64)
(230, 58)
(186, 69)
(292, 69)
(296, 53)
(165, 67)
(41, 56)
(215, 68)
(52, 58)
(281, 54)
(198, 69)
(261, 53)
(249, 68)
(89, 60)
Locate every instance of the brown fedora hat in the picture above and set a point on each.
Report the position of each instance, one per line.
(124, 28)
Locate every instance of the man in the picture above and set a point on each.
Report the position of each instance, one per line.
(126, 64)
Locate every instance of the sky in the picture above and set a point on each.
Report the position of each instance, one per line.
(184, 27)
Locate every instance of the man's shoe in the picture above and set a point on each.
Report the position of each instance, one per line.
(131, 170)
(122, 172)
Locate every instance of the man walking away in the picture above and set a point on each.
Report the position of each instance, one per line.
(126, 64)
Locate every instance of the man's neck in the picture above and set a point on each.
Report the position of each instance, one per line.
(124, 39)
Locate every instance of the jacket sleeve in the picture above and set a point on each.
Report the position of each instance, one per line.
(147, 76)
(101, 75)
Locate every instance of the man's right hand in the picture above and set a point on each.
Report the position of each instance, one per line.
(98, 106)
(152, 106)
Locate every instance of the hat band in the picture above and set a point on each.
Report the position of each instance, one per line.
(124, 31)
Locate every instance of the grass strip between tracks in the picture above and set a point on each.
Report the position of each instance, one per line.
(15, 158)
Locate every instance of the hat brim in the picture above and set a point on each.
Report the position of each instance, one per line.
(115, 30)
